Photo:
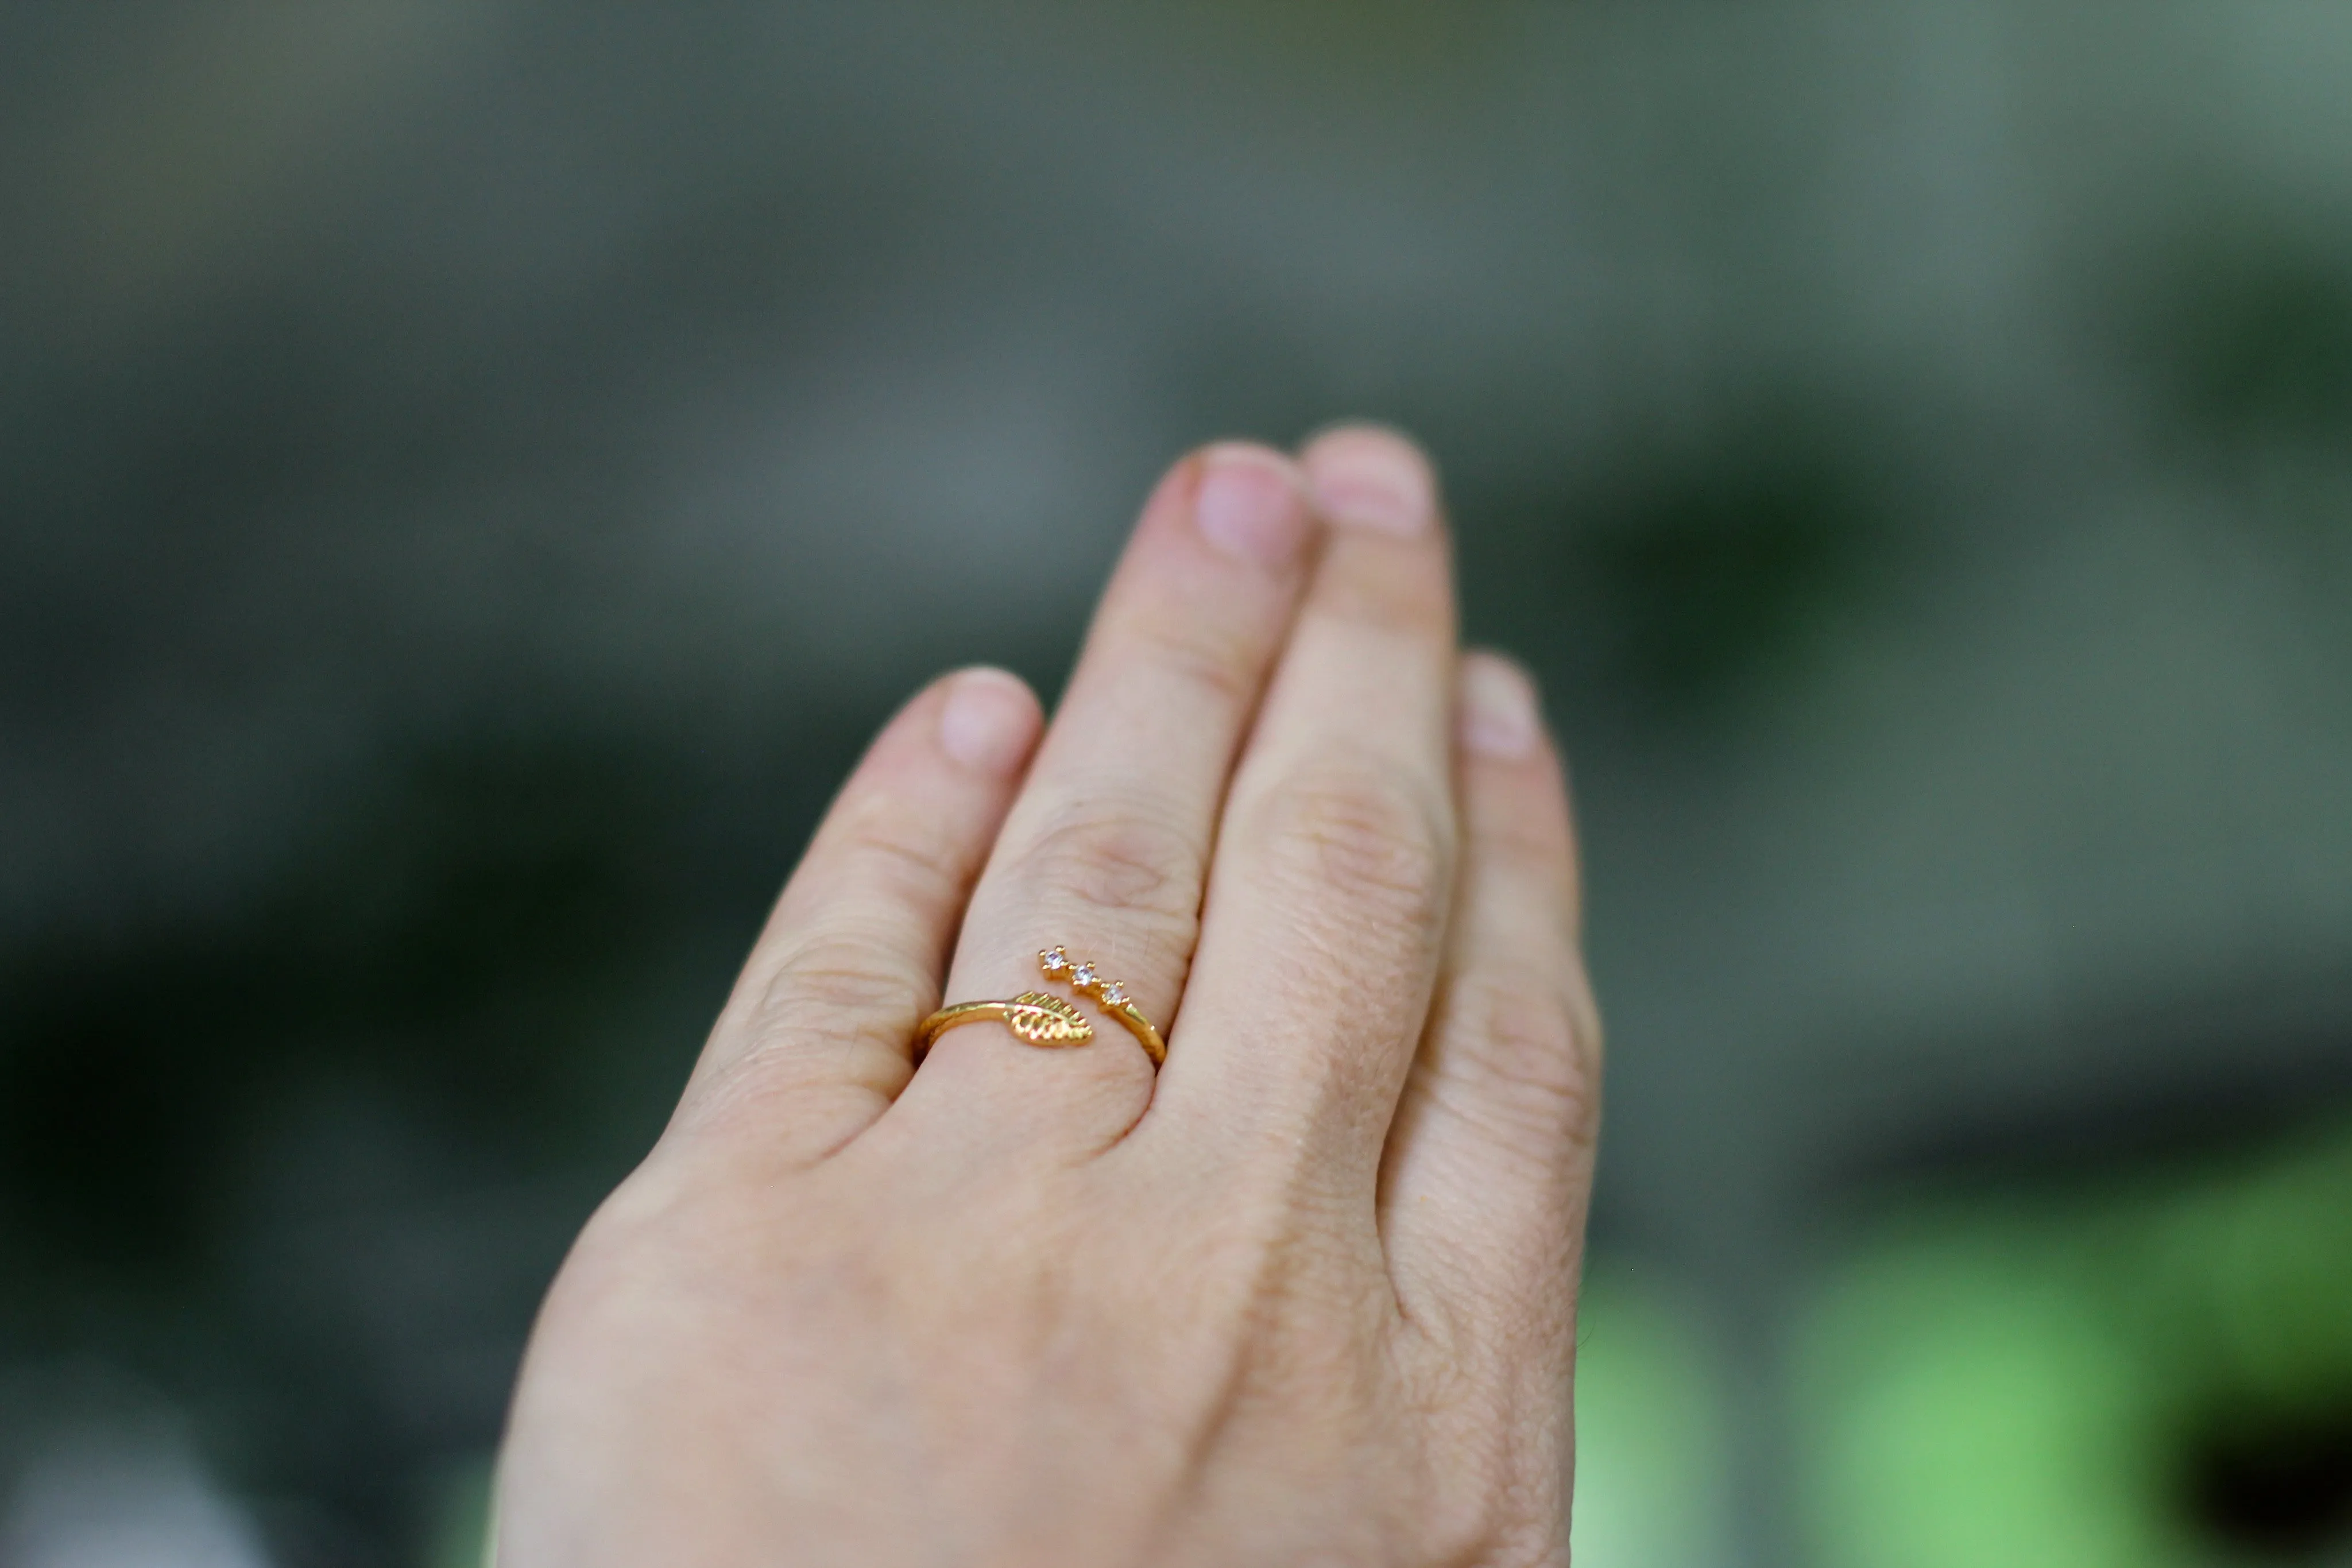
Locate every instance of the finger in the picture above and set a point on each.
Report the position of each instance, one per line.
(1106, 848)
(1328, 894)
(1489, 1164)
(812, 1043)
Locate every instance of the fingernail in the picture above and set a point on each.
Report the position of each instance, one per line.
(988, 720)
(1251, 504)
(1499, 708)
(1363, 476)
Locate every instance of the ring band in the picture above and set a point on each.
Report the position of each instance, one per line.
(1035, 1016)
(1108, 995)
(1045, 1019)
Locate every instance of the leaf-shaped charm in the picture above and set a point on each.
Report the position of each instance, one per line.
(1041, 1020)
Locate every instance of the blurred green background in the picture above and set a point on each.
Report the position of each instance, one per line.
(471, 474)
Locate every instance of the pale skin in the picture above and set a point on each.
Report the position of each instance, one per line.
(1306, 1296)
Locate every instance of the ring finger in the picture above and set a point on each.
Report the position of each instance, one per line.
(1108, 845)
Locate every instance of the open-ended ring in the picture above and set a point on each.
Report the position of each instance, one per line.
(1033, 1016)
(1045, 1019)
(1108, 995)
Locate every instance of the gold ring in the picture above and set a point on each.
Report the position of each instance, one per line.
(1108, 995)
(1039, 1018)
(1048, 1020)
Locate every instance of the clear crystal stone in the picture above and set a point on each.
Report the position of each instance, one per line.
(1083, 977)
(1054, 960)
(1113, 994)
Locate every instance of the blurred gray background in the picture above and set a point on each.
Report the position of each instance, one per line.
(471, 476)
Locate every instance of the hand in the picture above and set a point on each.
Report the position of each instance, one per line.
(1305, 1297)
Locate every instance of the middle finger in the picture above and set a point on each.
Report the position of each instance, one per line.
(1329, 896)
(1107, 848)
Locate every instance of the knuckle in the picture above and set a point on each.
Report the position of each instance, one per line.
(1217, 664)
(834, 1011)
(1496, 1501)
(1536, 846)
(1124, 861)
(906, 849)
(1385, 594)
(1495, 1523)
(837, 977)
(1515, 1524)
(1369, 839)
(1528, 1044)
